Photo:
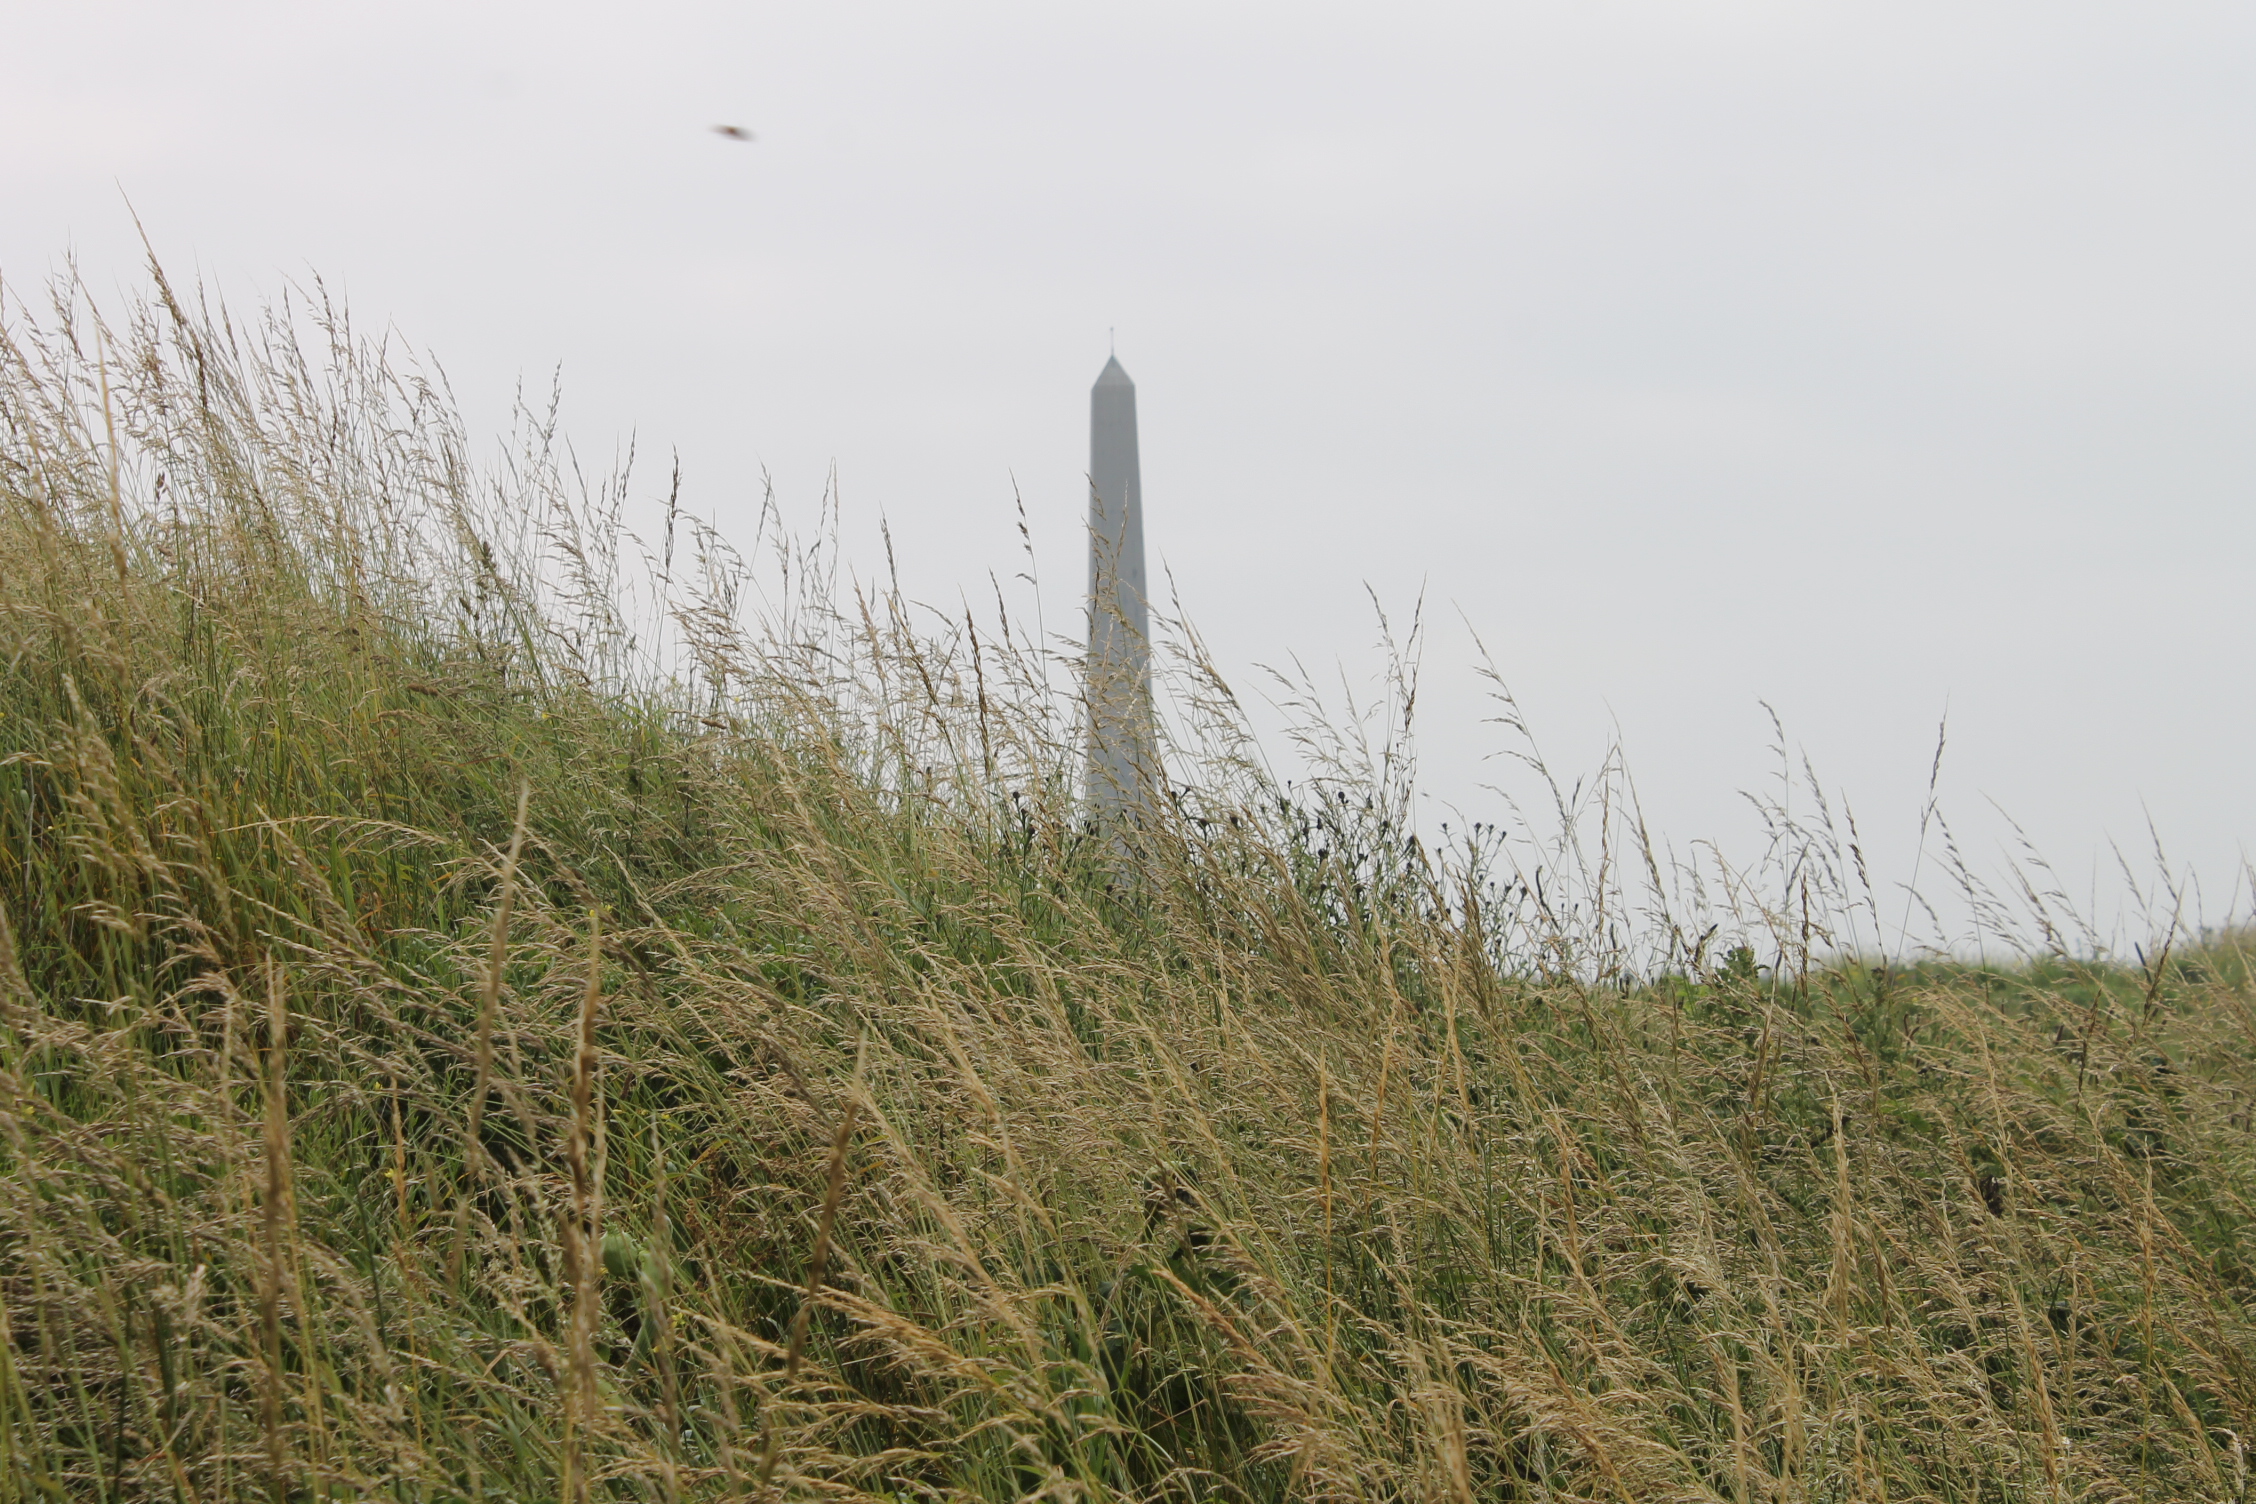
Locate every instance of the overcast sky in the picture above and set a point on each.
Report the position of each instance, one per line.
(1865, 359)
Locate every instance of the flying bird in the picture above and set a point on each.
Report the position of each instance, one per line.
(733, 132)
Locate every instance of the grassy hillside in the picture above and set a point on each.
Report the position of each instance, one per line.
(441, 1059)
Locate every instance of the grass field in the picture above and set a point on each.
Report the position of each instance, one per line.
(444, 1058)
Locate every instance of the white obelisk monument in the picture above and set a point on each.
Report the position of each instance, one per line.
(1121, 751)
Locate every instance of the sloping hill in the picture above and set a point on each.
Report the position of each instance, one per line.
(441, 1060)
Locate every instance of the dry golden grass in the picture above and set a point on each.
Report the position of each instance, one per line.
(787, 1099)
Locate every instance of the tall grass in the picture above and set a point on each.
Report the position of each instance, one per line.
(454, 1046)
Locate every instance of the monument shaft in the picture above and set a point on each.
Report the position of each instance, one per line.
(1120, 750)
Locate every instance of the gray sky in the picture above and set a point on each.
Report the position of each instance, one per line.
(1860, 358)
